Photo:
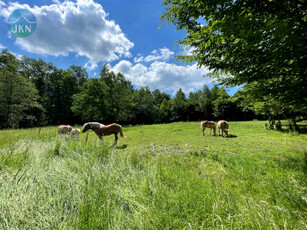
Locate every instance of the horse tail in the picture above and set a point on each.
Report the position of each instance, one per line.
(121, 133)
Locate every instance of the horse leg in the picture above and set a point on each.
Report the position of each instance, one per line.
(98, 135)
(204, 128)
(210, 131)
(116, 138)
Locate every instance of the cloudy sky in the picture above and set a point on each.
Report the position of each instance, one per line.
(122, 33)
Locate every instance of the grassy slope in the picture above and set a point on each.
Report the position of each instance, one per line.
(160, 177)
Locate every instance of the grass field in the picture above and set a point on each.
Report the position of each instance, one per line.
(159, 177)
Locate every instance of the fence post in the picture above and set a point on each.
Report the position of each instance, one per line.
(86, 138)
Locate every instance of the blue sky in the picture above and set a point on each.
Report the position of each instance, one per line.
(122, 33)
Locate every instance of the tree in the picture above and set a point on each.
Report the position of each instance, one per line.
(107, 99)
(80, 74)
(252, 97)
(222, 105)
(18, 96)
(55, 87)
(206, 103)
(91, 103)
(144, 106)
(193, 106)
(165, 110)
(254, 41)
(179, 107)
(38, 72)
(158, 98)
(119, 93)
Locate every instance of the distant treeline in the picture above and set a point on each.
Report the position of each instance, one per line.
(36, 93)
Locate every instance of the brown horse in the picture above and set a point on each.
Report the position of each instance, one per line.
(208, 124)
(224, 126)
(104, 130)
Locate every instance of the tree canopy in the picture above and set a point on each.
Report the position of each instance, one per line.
(18, 96)
(246, 42)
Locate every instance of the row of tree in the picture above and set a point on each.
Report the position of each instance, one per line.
(36, 93)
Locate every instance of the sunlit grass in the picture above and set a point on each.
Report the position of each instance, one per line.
(159, 177)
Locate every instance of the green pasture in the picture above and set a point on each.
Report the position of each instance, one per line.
(164, 176)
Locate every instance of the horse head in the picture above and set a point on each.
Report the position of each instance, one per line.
(86, 127)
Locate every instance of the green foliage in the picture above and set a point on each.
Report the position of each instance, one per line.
(118, 95)
(179, 107)
(18, 96)
(107, 99)
(144, 107)
(159, 177)
(258, 42)
(206, 102)
(91, 103)
(252, 97)
(79, 73)
(165, 110)
(55, 87)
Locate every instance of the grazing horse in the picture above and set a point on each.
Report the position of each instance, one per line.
(208, 124)
(224, 126)
(104, 130)
(74, 133)
(64, 129)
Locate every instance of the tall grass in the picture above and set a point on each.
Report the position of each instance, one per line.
(159, 177)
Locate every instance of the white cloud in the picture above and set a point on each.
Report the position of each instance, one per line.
(163, 54)
(164, 76)
(79, 27)
(139, 58)
(90, 65)
(2, 46)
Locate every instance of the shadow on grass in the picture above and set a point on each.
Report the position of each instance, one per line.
(295, 164)
(229, 136)
(302, 128)
(121, 147)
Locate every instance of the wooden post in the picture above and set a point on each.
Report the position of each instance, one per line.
(86, 138)
(39, 131)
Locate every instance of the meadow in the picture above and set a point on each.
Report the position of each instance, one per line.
(165, 176)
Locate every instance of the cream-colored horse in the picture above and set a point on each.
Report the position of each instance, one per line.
(74, 133)
(64, 129)
(224, 126)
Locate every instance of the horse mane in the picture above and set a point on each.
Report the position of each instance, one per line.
(93, 125)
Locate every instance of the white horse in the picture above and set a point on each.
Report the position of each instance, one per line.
(74, 133)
